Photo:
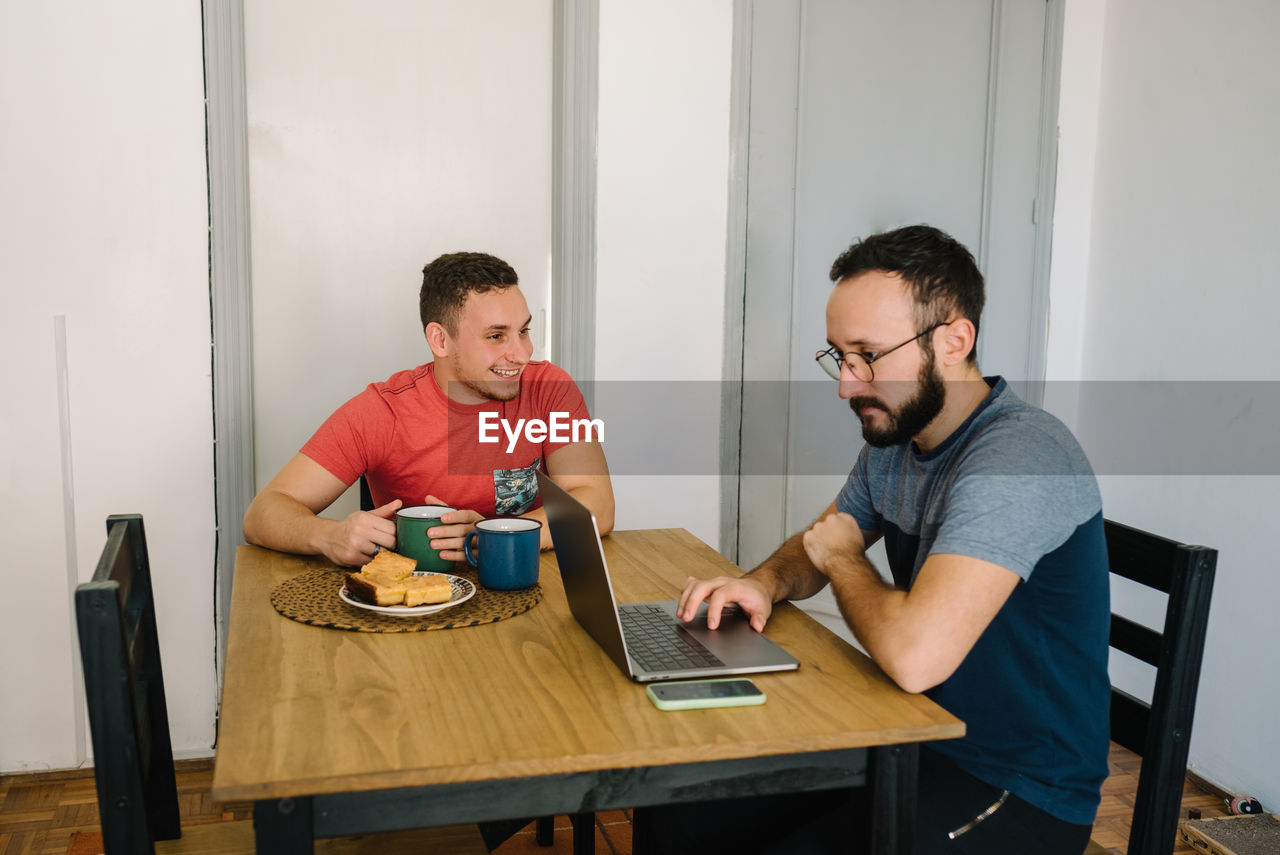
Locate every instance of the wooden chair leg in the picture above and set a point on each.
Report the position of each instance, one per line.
(544, 830)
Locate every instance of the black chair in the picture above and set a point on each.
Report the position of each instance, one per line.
(129, 723)
(1160, 731)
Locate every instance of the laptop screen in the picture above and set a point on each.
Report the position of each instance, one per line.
(583, 570)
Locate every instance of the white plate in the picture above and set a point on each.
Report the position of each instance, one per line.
(463, 590)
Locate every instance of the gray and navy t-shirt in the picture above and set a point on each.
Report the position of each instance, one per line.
(1013, 487)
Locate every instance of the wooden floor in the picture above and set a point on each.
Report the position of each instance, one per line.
(39, 814)
(1111, 829)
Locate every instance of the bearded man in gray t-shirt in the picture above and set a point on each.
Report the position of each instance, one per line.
(992, 522)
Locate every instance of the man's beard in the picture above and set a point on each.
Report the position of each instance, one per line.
(485, 391)
(911, 417)
(484, 388)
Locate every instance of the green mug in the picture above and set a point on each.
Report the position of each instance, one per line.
(412, 525)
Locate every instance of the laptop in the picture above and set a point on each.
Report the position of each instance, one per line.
(646, 640)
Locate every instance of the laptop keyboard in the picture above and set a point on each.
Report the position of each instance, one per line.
(657, 642)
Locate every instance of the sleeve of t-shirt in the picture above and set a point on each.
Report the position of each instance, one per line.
(1016, 499)
(354, 438)
(855, 497)
(558, 393)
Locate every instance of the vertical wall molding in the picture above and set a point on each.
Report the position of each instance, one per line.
(989, 153)
(69, 527)
(229, 291)
(1046, 195)
(735, 283)
(766, 98)
(575, 109)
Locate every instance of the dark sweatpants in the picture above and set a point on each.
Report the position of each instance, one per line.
(835, 821)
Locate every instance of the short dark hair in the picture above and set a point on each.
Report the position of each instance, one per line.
(939, 272)
(448, 280)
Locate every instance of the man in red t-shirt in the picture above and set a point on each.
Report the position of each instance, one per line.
(467, 430)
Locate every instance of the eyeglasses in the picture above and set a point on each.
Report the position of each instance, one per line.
(860, 363)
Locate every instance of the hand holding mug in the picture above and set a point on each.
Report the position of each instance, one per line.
(448, 533)
(413, 525)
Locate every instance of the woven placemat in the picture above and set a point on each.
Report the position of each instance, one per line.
(312, 598)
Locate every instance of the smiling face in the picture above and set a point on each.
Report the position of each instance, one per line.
(483, 361)
(868, 314)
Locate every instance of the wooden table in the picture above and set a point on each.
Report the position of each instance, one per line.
(334, 732)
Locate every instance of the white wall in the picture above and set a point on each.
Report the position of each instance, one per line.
(1167, 274)
(661, 228)
(103, 220)
(379, 138)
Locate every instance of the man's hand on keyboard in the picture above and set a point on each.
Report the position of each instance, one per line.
(723, 593)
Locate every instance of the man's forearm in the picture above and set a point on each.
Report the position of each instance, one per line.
(870, 607)
(788, 574)
(598, 498)
(540, 514)
(880, 619)
(280, 522)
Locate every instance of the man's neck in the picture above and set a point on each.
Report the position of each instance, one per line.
(964, 395)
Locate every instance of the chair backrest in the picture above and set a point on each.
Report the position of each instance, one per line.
(1160, 731)
(124, 688)
(366, 497)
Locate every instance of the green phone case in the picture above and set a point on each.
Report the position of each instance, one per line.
(705, 695)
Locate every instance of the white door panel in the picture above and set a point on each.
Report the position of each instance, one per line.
(866, 116)
(379, 138)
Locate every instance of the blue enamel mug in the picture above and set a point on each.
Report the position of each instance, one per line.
(508, 552)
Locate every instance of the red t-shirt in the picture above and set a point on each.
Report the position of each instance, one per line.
(412, 440)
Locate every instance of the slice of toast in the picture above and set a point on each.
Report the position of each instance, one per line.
(387, 567)
(388, 580)
(428, 589)
(373, 591)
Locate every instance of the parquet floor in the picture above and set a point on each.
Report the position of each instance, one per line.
(40, 813)
(1111, 828)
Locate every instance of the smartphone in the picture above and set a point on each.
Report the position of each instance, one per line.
(700, 694)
